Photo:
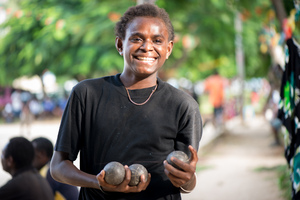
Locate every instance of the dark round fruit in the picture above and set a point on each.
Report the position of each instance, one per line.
(136, 171)
(180, 155)
(114, 173)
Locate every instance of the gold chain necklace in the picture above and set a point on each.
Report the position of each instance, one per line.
(140, 104)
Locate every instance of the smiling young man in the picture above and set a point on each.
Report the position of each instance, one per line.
(132, 117)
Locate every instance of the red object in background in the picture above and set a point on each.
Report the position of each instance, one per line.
(287, 29)
(114, 17)
(5, 93)
(254, 97)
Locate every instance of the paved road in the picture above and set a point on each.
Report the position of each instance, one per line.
(228, 164)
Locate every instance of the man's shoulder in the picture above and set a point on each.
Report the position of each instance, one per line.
(178, 95)
(95, 84)
(28, 176)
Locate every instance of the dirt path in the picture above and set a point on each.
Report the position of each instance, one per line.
(230, 165)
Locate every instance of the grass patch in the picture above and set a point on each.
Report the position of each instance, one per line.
(202, 168)
(283, 179)
(263, 169)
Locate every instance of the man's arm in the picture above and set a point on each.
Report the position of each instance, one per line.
(63, 170)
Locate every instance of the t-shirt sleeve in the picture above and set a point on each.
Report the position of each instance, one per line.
(190, 127)
(70, 130)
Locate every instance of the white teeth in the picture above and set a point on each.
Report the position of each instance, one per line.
(146, 59)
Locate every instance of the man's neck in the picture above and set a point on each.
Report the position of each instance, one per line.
(15, 172)
(136, 83)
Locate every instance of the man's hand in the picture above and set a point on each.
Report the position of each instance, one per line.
(185, 179)
(123, 187)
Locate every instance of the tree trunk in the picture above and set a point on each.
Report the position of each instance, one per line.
(280, 11)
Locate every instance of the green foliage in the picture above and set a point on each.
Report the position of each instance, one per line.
(76, 38)
(67, 37)
(210, 24)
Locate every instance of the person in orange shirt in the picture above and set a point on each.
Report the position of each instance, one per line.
(214, 85)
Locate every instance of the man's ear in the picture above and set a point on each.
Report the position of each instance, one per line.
(169, 49)
(10, 162)
(119, 45)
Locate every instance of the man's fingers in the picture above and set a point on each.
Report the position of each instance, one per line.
(100, 178)
(127, 177)
(194, 156)
(143, 183)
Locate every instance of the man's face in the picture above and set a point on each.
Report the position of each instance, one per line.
(4, 161)
(146, 46)
(40, 158)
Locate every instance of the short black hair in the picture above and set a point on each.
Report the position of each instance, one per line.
(143, 10)
(43, 144)
(21, 150)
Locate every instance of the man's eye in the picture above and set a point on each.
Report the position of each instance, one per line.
(158, 41)
(136, 39)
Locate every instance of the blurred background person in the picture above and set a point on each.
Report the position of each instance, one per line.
(43, 153)
(271, 113)
(16, 103)
(214, 85)
(26, 183)
(272, 103)
(26, 119)
(7, 113)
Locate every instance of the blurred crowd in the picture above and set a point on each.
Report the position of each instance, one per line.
(18, 105)
(255, 92)
(24, 106)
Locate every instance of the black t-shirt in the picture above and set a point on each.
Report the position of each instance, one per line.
(26, 184)
(101, 123)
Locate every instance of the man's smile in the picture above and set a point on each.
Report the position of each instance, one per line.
(145, 59)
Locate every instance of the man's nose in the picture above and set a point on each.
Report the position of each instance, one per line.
(147, 45)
